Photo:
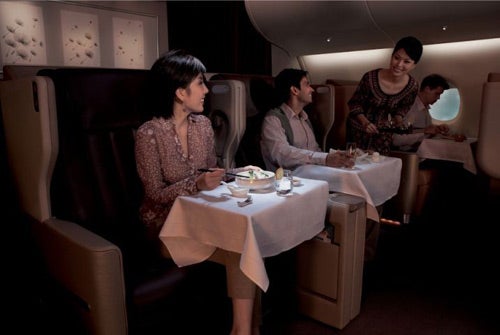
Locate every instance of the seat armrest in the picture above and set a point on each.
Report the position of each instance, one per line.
(404, 200)
(90, 268)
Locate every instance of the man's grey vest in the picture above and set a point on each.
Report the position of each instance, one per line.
(280, 114)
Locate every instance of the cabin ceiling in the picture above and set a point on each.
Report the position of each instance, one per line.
(304, 27)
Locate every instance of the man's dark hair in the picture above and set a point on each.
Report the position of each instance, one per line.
(285, 80)
(412, 46)
(434, 81)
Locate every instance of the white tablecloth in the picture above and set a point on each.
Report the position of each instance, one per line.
(198, 224)
(450, 150)
(375, 182)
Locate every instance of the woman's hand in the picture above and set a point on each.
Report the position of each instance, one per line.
(210, 180)
(398, 121)
(367, 126)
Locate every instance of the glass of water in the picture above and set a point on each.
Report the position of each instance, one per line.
(351, 149)
(284, 185)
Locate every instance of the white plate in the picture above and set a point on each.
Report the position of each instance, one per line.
(257, 180)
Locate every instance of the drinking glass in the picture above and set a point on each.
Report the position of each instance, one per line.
(284, 185)
(350, 149)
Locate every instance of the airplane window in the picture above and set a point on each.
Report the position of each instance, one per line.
(448, 105)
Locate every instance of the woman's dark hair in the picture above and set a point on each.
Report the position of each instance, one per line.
(286, 79)
(412, 46)
(174, 69)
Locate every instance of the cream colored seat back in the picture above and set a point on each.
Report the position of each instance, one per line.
(336, 138)
(488, 158)
(258, 100)
(226, 109)
(32, 145)
(322, 112)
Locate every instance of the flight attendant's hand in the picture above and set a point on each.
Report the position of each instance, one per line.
(370, 128)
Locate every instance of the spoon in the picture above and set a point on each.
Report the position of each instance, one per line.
(246, 202)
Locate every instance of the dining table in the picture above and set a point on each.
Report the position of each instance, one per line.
(443, 148)
(270, 224)
(374, 180)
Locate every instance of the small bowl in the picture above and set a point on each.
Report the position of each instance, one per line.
(238, 192)
(376, 157)
(296, 181)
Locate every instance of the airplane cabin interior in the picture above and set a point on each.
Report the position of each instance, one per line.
(73, 92)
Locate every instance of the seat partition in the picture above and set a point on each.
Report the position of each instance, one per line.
(30, 126)
(259, 98)
(337, 136)
(95, 181)
(486, 156)
(71, 139)
(225, 107)
(489, 124)
(322, 112)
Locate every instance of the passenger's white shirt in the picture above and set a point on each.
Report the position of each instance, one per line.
(276, 151)
(420, 119)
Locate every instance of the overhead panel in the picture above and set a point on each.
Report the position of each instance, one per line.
(438, 21)
(310, 27)
(315, 27)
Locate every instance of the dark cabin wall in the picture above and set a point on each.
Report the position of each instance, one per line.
(220, 34)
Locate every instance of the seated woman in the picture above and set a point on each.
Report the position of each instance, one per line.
(170, 150)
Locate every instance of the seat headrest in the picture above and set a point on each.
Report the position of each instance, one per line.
(259, 91)
(88, 92)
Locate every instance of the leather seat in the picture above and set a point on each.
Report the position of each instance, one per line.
(259, 98)
(488, 159)
(70, 144)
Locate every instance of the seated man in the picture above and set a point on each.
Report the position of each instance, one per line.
(288, 141)
(287, 137)
(418, 116)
